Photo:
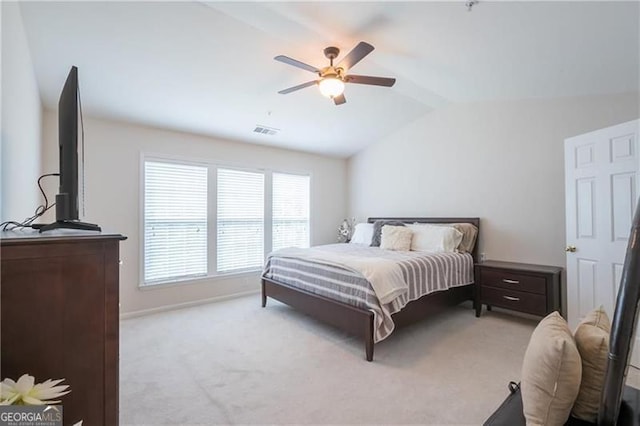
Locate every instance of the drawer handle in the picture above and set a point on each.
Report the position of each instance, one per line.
(504, 280)
(513, 299)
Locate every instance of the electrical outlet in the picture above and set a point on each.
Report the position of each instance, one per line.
(483, 257)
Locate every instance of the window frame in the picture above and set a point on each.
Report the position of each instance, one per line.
(212, 223)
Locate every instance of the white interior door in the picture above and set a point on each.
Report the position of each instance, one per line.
(602, 180)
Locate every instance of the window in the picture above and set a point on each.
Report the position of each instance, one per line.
(240, 220)
(201, 220)
(290, 209)
(175, 221)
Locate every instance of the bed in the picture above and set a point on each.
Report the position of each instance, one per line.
(356, 313)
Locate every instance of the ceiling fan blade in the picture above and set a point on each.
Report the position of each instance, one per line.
(366, 79)
(339, 100)
(295, 63)
(356, 55)
(298, 87)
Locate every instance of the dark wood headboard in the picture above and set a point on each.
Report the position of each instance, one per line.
(472, 220)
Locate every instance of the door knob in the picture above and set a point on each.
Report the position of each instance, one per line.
(570, 249)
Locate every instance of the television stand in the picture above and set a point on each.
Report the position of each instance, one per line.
(68, 224)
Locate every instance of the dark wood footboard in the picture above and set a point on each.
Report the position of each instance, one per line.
(357, 321)
(351, 319)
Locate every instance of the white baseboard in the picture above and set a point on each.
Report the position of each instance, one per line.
(144, 312)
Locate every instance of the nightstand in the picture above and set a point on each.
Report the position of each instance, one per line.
(532, 289)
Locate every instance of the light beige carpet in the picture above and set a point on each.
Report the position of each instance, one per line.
(233, 362)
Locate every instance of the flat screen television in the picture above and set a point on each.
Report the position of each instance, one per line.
(67, 199)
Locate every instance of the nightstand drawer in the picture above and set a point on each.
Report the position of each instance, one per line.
(513, 281)
(517, 300)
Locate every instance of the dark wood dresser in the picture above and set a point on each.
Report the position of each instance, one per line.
(532, 289)
(59, 316)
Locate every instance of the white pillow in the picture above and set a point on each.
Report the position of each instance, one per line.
(396, 238)
(434, 238)
(362, 234)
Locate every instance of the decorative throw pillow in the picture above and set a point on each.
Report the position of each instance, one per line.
(469, 234)
(362, 234)
(434, 238)
(396, 238)
(377, 230)
(592, 340)
(551, 373)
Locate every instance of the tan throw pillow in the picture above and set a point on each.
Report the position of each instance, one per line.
(551, 373)
(469, 234)
(396, 238)
(592, 340)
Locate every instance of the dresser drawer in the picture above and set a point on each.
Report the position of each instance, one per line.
(513, 281)
(516, 300)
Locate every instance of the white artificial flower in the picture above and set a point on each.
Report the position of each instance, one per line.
(345, 230)
(26, 392)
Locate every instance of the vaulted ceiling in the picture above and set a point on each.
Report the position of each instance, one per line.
(207, 67)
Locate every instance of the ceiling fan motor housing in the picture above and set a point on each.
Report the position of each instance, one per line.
(332, 72)
(331, 52)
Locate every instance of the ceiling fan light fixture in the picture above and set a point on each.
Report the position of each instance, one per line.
(331, 87)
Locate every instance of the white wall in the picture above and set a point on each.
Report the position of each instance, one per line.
(21, 128)
(500, 161)
(112, 152)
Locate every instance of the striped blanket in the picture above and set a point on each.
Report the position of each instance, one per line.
(325, 274)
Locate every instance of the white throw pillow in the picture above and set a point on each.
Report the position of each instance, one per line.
(434, 238)
(396, 238)
(362, 234)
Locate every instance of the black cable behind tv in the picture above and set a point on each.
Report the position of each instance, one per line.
(67, 199)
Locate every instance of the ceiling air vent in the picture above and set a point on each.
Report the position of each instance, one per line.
(265, 130)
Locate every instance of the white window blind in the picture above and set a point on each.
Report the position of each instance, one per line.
(240, 219)
(175, 221)
(290, 211)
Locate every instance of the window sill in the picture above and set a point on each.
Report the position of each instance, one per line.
(198, 280)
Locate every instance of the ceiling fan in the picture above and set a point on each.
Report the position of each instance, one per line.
(332, 78)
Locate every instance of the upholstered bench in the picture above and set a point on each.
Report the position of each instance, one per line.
(619, 404)
(510, 412)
